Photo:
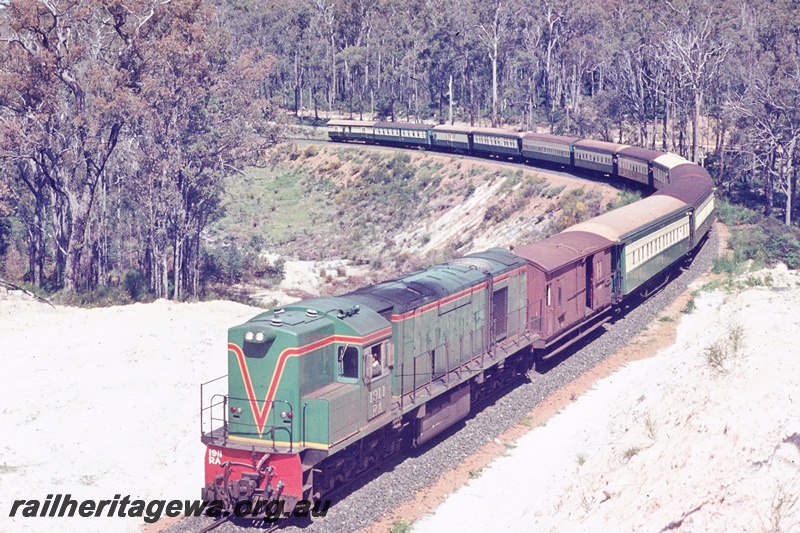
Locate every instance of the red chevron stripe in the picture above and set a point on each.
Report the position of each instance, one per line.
(260, 414)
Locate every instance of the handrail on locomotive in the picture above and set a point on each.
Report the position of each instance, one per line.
(210, 432)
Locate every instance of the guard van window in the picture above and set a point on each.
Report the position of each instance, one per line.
(348, 362)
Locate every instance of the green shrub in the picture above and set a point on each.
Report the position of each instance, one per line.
(623, 198)
(552, 192)
(758, 238)
(736, 215)
(724, 264)
(135, 283)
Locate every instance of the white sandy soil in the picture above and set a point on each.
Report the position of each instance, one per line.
(668, 443)
(99, 402)
(312, 276)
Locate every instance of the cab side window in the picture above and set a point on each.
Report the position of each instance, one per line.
(348, 362)
(376, 361)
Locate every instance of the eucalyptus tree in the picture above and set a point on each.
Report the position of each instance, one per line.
(63, 103)
(767, 101)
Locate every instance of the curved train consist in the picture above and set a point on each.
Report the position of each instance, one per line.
(322, 389)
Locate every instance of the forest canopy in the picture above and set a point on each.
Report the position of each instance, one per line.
(119, 120)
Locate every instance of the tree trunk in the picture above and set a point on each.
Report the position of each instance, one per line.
(177, 269)
(769, 191)
(494, 84)
(450, 115)
(695, 113)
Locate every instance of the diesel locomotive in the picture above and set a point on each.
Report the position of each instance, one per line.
(323, 389)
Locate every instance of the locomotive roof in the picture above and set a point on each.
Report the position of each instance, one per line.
(617, 223)
(562, 249)
(643, 154)
(404, 125)
(493, 260)
(599, 146)
(688, 182)
(296, 317)
(548, 137)
(417, 289)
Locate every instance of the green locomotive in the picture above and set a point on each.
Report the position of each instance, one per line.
(322, 389)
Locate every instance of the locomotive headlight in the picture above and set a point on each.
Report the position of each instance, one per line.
(255, 336)
(236, 410)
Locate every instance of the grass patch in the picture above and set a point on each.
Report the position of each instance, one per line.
(691, 305)
(552, 192)
(722, 353)
(399, 526)
(631, 452)
(7, 469)
(576, 206)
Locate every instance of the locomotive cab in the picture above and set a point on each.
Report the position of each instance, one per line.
(297, 380)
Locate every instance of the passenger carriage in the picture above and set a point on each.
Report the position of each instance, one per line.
(594, 155)
(548, 148)
(649, 236)
(497, 142)
(662, 167)
(352, 130)
(692, 184)
(452, 137)
(636, 164)
(403, 134)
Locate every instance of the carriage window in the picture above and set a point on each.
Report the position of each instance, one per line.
(348, 362)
